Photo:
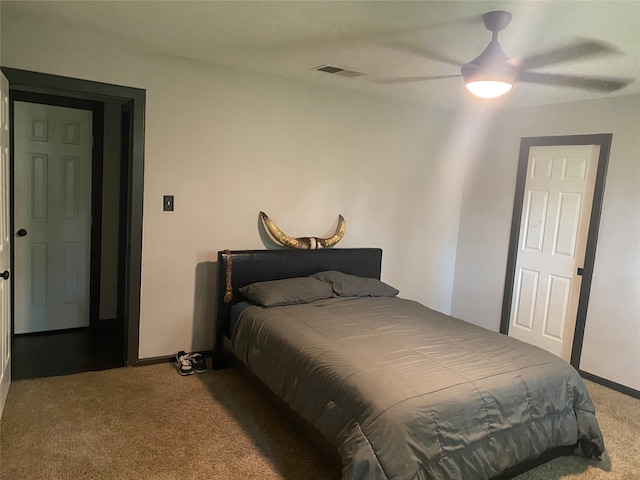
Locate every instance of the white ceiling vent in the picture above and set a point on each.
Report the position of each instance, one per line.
(343, 72)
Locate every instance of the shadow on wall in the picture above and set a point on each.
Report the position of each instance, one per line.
(204, 306)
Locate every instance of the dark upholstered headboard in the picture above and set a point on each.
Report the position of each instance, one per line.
(249, 266)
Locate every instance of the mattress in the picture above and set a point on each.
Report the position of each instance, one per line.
(407, 393)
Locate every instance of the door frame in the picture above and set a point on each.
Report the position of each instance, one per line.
(131, 208)
(604, 141)
(97, 165)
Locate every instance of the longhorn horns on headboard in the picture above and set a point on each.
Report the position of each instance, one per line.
(307, 243)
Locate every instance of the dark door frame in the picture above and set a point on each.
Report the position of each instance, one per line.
(604, 141)
(131, 209)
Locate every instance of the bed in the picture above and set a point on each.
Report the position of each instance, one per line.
(400, 391)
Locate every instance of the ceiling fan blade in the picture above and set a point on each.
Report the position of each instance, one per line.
(575, 81)
(427, 53)
(572, 51)
(415, 79)
(466, 20)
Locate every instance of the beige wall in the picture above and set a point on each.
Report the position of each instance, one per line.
(229, 143)
(612, 338)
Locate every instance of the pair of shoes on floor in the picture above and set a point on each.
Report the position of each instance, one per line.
(189, 363)
(198, 362)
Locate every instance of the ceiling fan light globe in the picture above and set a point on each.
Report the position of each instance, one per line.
(488, 88)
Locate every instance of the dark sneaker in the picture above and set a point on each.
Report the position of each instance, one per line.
(198, 362)
(183, 363)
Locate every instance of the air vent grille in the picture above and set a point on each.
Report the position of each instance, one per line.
(343, 72)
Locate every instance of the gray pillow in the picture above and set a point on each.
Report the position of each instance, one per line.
(346, 285)
(289, 291)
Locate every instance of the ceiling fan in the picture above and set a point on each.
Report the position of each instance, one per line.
(492, 73)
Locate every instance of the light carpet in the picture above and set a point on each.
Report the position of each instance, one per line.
(151, 423)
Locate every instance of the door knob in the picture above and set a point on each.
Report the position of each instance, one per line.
(22, 232)
(5, 274)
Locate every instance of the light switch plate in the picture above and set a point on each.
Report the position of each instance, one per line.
(167, 203)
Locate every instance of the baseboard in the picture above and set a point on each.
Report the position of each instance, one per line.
(141, 362)
(609, 384)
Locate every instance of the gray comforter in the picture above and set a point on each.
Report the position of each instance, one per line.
(405, 392)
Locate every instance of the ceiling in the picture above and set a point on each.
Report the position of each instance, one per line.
(382, 39)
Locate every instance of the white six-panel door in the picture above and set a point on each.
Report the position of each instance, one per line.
(5, 244)
(52, 216)
(553, 232)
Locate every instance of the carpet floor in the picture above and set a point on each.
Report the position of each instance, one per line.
(151, 423)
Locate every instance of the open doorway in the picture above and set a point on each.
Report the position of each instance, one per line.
(111, 337)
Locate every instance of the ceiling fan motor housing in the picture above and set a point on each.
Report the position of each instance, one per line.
(491, 64)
